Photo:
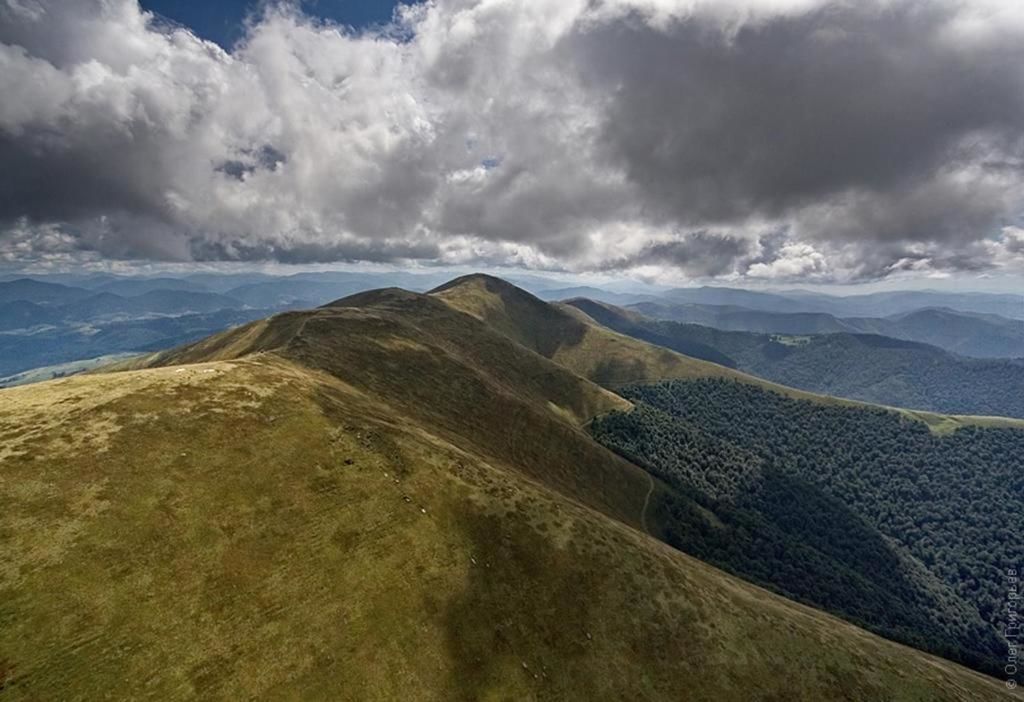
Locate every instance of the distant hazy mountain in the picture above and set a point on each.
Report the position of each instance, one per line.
(292, 293)
(736, 318)
(130, 287)
(864, 367)
(750, 299)
(44, 323)
(615, 298)
(21, 314)
(884, 304)
(967, 333)
(222, 282)
(881, 304)
(370, 281)
(86, 306)
(312, 289)
(74, 280)
(28, 290)
(58, 344)
(971, 334)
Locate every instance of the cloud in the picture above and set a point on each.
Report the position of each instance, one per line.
(794, 261)
(763, 138)
(699, 254)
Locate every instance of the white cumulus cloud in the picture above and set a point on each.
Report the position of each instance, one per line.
(762, 138)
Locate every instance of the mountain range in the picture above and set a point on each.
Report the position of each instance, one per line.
(966, 333)
(867, 367)
(68, 318)
(403, 495)
(877, 304)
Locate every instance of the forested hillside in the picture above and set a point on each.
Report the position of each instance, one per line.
(858, 511)
(865, 367)
(877, 369)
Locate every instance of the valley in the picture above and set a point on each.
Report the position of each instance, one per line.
(866, 367)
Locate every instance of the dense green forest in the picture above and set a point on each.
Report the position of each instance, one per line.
(866, 367)
(862, 512)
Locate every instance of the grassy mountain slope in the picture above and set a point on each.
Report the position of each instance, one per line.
(572, 339)
(562, 335)
(864, 367)
(569, 336)
(454, 374)
(380, 499)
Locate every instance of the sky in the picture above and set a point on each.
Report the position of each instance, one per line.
(223, 21)
(741, 142)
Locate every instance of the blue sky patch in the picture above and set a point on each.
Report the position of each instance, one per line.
(222, 21)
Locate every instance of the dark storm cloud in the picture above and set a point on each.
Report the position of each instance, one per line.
(313, 252)
(785, 113)
(45, 177)
(699, 254)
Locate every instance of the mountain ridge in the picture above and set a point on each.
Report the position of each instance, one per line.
(379, 498)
